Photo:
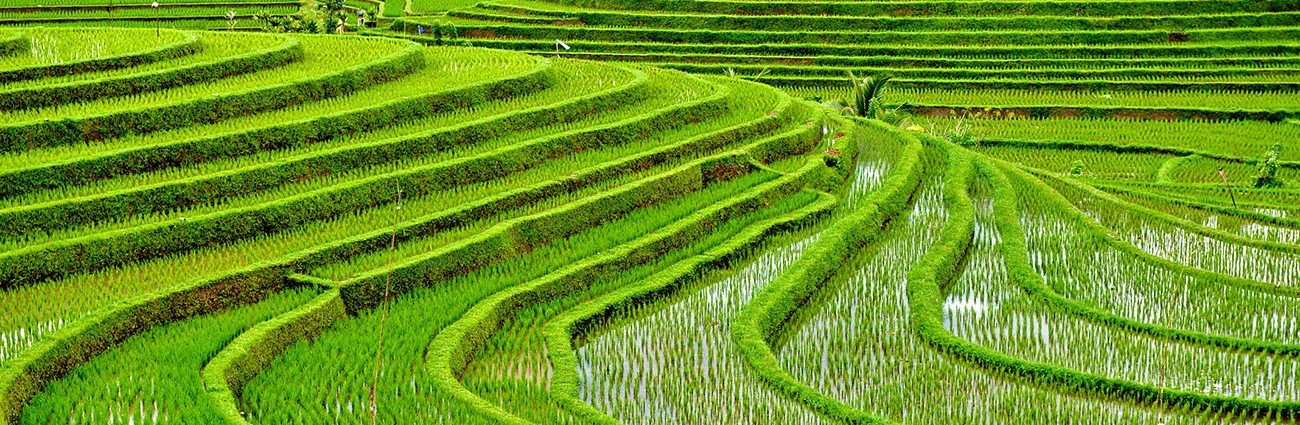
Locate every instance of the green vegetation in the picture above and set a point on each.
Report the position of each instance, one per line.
(651, 211)
(145, 384)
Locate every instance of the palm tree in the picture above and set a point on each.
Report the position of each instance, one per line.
(866, 94)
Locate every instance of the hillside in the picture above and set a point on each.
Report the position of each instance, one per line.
(1053, 212)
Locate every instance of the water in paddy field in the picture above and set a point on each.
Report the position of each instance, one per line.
(14, 341)
(659, 368)
(1185, 247)
(847, 349)
(859, 349)
(1024, 328)
(1240, 226)
(1120, 283)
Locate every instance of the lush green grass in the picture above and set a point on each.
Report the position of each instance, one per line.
(154, 376)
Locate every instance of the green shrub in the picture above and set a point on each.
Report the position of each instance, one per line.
(1266, 177)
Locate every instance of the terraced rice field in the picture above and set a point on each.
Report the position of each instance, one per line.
(1064, 214)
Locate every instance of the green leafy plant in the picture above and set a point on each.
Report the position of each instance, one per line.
(962, 133)
(263, 18)
(867, 101)
(866, 95)
(444, 33)
(332, 14)
(1076, 168)
(325, 15)
(1266, 177)
(230, 19)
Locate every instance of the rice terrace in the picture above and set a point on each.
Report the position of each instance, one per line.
(650, 212)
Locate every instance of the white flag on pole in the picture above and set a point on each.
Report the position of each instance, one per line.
(559, 43)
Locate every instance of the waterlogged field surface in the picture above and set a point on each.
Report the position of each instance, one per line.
(658, 368)
(1051, 213)
(652, 370)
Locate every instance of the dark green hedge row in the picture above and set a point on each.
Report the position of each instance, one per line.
(755, 328)
(38, 263)
(277, 136)
(187, 45)
(84, 91)
(14, 45)
(58, 354)
(779, 48)
(71, 130)
(1125, 148)
(215, 19)
(673, 35)
(731, 21)
(911, 62)
(1106, 112)
(207, 189)
(531, 17)
(1050, 76)
(951, 8)
(1071, 85)
(255, 349)
(926, 298)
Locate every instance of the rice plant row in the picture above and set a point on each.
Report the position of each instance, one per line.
(1173, 304)
(293, 228)
(86, 291)
(408, 392)
(622, 373)
(61, 51)
(242, 12)
(780, 45)
(572, 139)
(475, 191)
(1011, 98)
(1239, 139)
(430, 87)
